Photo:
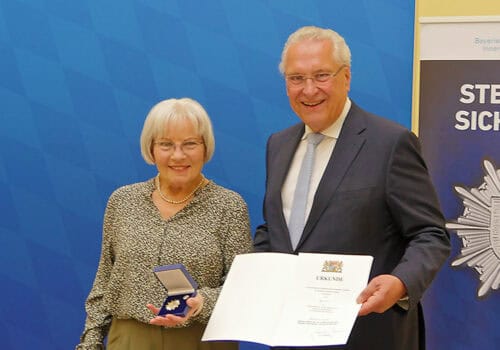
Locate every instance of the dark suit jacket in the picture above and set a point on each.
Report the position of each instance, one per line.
(375, 198)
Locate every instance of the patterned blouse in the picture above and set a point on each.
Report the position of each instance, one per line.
(205, 236)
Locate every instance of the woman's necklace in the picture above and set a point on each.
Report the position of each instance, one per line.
(183, 199)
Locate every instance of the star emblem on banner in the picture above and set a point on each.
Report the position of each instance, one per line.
(479, 230)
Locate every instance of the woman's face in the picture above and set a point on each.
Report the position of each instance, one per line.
(179, 155)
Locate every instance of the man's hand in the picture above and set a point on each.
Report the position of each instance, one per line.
(380, 294)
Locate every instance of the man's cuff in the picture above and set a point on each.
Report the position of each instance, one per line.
(404, 303)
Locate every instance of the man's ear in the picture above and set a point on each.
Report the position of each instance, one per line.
(347, 75)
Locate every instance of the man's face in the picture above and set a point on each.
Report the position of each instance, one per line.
(318, 104)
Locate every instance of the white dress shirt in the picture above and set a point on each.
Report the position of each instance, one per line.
(322, 156)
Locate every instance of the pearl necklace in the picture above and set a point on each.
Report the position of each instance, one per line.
(183, 199)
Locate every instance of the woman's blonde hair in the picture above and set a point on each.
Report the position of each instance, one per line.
(166, 114)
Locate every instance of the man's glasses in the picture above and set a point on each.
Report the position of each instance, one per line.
(186, 146)
(320, 77)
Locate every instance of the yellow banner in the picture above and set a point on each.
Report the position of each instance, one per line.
(443, 8)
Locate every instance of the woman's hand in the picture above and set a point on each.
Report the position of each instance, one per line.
(195, 304)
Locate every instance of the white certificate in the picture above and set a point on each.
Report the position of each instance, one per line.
(290, 300)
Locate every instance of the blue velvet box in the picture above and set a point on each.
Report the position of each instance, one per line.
(179, 285)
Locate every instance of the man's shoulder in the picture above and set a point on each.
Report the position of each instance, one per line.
(286, 135)
(375, 123)
(291, 130)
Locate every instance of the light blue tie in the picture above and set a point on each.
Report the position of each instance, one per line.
(297, 219)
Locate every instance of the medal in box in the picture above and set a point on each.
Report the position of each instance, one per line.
(179, 285)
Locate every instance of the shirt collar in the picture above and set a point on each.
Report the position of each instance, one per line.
(333, 130)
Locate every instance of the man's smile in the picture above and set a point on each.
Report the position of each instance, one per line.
(312, 104)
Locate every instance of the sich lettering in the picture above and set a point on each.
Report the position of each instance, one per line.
(474, 120)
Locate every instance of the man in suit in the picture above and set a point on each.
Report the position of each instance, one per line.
(369, 193)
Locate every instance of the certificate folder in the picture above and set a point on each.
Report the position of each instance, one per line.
(289, 300)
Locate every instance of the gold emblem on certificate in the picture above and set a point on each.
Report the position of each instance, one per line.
(332, 266)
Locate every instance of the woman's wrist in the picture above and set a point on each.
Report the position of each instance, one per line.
(197, 311)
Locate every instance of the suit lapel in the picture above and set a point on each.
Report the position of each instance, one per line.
(284, 148)
(348, 145)
(284, 154)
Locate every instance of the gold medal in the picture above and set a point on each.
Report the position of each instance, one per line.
(172, 305)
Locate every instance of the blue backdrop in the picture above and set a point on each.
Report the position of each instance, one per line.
(76, 81)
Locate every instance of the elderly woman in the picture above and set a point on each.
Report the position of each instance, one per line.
(178, 216)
